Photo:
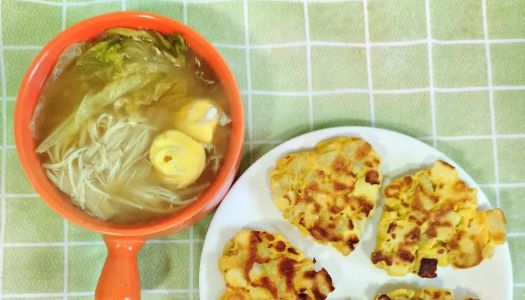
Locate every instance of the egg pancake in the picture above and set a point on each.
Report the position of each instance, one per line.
(330, 191)
(430, 218)
(423, 294)
(259, 265)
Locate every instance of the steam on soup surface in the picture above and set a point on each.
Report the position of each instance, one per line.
(132, 125)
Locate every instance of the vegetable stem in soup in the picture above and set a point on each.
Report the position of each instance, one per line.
(132, 125)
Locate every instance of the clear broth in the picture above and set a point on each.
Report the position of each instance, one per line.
(63, 94)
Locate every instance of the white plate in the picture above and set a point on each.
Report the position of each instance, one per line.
(249, 205)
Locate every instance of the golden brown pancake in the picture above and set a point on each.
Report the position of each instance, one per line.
(431, 218)
(329, 192)
(259, 265)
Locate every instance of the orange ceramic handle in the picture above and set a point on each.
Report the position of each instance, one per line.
(120, 276)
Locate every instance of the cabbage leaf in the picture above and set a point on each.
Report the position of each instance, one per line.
(135, 67)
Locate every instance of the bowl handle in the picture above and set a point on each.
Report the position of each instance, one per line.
(119, 279)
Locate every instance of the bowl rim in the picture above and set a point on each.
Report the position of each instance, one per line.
(32, 84)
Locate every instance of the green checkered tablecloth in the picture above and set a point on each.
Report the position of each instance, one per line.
(449, 72)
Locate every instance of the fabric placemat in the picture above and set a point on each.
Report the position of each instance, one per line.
(449, 72)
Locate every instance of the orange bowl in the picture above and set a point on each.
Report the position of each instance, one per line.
(124, 240)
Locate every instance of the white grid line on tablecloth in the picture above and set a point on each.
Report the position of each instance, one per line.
(384, 91)
(308, 66)
(42, 2)
(480, 137)
(249, 117)
(374, 91)
(170, 291)
(504, 185)
(185, 11)
(90, 2)
(431, 73)
(64, 14)
(66, 227)
(3, 175)
(92, 243)
(21, 196)
(87, 2)
(370, 44)
(80, 294)
(46, 295)
(191, 240)
(423, 138)
(23, 47)
(191, 259)
(369, 65)
(286, 1)
(66, 258)
(191, 245)
(491, 101)
(439, 138)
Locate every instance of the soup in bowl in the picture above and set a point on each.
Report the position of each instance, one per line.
(130, 125)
